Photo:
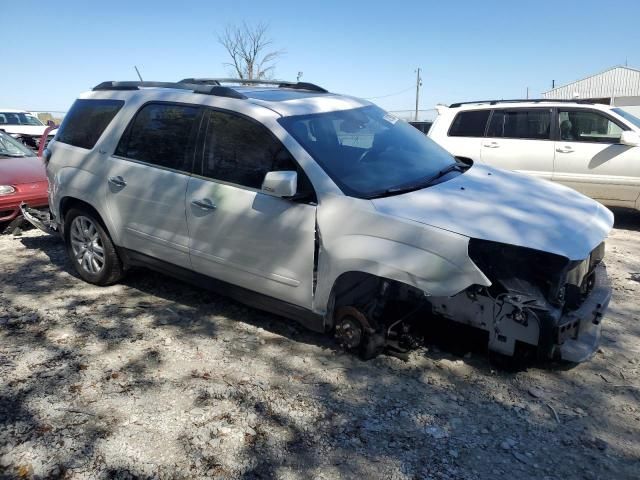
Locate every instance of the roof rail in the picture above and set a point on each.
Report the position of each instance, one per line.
(521, 100)
(204, 88)
(241, 81)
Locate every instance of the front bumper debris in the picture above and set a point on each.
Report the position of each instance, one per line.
(39, 219)
(582, 327)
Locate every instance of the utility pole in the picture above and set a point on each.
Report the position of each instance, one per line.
(527, 93)
(553, 84)
(418, 85)
(299, 76)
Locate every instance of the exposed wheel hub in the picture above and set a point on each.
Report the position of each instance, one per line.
(349, 332)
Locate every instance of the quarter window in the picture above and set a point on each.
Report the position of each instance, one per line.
(240, 151)
(160, 134)
(469, 124)
(526, 124)
(85, 122)
(587, 126)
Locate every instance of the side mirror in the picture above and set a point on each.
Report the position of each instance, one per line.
(280, 184)
(630, 138)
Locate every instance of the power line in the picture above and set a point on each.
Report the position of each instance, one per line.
(391, 94)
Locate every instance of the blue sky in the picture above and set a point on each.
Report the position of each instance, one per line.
(467, 49)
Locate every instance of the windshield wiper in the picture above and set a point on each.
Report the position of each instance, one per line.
(425, 182)
(461, 167)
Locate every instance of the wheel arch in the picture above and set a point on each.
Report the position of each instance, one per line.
(70, 202)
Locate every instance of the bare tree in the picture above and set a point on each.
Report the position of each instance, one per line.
(250, 50)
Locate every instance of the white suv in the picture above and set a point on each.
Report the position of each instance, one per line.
(590, 147)
(23, 126)
(325, 209)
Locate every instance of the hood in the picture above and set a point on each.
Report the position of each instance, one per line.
(24, 129)
(14, 171)
(507, 207)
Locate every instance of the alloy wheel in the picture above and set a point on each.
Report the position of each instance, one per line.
(86, 245)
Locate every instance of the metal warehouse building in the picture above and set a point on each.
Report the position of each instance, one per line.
(619, 86)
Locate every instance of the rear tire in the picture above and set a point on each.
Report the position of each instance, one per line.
(90, 248)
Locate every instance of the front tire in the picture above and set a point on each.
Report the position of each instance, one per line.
(90, 248)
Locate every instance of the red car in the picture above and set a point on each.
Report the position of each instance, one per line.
(22, 179)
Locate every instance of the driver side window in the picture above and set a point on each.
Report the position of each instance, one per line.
(241, 151)
(587, 126)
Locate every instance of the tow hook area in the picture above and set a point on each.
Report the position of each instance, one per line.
(39, 219)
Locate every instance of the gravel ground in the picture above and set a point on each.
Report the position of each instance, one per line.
(153, 378)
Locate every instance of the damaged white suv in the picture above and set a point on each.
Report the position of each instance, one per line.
(325, 209)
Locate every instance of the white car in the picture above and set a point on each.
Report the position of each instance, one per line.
(23, 126)
(590, 147)
(325, 209)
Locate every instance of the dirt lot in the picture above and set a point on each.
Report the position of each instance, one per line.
(157, 379)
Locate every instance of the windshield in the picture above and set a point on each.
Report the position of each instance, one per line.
(18, 118)
(627, 116)
(12, 148)
(367, 151)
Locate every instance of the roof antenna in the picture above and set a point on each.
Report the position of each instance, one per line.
(138, 72)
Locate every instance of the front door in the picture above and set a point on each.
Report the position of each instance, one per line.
(147, 181)
(590, 159)
(520, 140)
(239, 234)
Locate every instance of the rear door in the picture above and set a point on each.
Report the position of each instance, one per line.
(520, 139)
(464, 137)
(239, 234)
(147, 181)
(590, 159)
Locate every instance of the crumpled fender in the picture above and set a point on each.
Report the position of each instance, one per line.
(356, 238)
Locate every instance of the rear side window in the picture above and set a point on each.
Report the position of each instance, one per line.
(85, 122)
(240, 151)
(527, 124)
(160, 134)
(469, 124)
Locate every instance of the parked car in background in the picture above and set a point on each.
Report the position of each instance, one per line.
(590, 147)
(22, 179)
(325, 209)
(422, 126)
(23, 126)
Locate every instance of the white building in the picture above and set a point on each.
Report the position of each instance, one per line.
(619, 86)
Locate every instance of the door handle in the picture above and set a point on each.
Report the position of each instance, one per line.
(564, 149)
(492, 145)
(117, 181)
(204, 204)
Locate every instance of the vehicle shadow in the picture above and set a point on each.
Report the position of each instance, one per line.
(189, 303)
(316, 415)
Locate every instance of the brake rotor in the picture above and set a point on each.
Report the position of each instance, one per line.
(351, 327)
(349, 332)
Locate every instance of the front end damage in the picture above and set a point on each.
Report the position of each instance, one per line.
(537, 301)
